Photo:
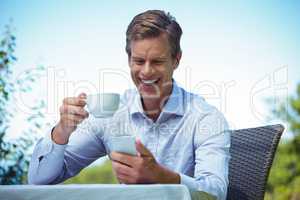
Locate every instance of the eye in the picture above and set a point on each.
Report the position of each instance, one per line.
(158, 62)
(139, 62)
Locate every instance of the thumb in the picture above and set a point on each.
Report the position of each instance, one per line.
(82, 95)
(142, 150)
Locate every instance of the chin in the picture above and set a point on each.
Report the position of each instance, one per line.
(149, 94)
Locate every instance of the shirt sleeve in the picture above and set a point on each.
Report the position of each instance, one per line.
(52, 163)
(211, 147)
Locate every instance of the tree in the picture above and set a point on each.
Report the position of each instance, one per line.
(284, 180)
(15, 153)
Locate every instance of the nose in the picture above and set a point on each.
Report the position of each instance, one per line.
(147, 70)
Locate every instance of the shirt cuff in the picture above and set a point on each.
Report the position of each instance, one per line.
(196, 191)
(55, 147)
(188, 181)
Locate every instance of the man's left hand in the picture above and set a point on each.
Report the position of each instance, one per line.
(142, 168)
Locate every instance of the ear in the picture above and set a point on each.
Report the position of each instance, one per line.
(177, 60)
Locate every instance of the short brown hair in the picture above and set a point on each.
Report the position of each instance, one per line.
(151, 24)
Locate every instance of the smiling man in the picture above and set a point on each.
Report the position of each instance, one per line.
(182, 139)
(152, 66)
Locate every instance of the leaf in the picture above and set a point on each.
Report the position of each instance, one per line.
(13, 58)
(12, 37)
(6, 61)
(2, 54)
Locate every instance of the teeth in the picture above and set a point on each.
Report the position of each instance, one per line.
(149, 81)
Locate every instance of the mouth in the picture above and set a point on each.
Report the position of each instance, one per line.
(149, 81)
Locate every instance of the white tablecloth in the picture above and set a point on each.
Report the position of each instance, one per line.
(97, 192)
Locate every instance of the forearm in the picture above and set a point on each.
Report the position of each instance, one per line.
(52, 163)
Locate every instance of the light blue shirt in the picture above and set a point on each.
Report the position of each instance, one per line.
(189, 137)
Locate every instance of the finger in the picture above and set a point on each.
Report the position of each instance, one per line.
(120, 158)
(123, 158)
(142, 150)
(125, 179)
(71, 120)
(122, 169)
(75, 110)
(75, 101)
(123, 173)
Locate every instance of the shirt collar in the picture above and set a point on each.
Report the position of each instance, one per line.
(174, 103)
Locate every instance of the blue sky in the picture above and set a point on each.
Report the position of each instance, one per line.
(235, 53)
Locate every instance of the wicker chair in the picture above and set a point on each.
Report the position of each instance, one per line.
(252, 152)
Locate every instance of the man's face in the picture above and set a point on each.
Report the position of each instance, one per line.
(152, 66)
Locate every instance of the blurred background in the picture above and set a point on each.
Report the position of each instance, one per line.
(241, 56)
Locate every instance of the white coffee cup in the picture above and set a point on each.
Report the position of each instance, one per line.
(103, 104)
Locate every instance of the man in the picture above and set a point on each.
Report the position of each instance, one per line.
(182, 139)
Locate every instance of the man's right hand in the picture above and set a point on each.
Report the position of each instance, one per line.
(72, 113)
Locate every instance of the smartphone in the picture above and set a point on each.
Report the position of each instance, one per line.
(123, 144)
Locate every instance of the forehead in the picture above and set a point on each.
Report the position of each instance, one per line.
(157, 47)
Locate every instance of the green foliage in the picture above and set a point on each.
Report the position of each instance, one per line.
(14, 153)
(284, 179)
(95, 175)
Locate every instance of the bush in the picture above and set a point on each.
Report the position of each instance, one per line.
(15, 153)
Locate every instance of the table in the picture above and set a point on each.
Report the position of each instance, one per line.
(98, 192)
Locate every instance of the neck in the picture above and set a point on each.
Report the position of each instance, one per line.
(154, 106)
